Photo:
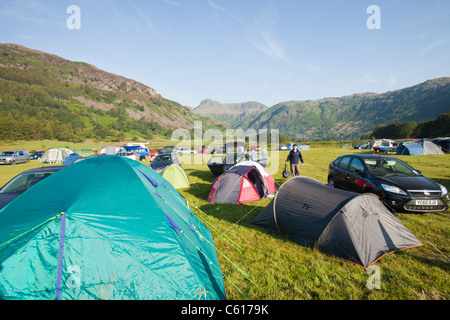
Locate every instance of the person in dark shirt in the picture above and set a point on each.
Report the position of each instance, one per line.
(295, 157)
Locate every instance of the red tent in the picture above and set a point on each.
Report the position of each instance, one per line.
(244, 182)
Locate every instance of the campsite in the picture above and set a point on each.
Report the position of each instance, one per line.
(261, 264)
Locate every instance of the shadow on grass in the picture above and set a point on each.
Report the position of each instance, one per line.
(228, 216)
(201, 174)
(428, 261)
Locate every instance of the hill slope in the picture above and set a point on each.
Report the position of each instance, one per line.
(75, 100)
(351, 116)
(233, 114)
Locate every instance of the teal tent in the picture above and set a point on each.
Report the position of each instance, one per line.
(106, 228)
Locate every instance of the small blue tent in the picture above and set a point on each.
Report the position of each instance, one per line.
(71, 158)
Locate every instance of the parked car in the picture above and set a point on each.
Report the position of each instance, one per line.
(153, 154)
(443, 144)
(399, 186)
(129, 155)
(164, 160)
(14, 156)
(384, 145)
(185, 151)
(363, 145)
(23, 182)
(167, 149)
(282, 147)
(220, 164)
(141, 152)
(37, 154)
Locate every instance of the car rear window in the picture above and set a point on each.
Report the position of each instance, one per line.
(344, 162)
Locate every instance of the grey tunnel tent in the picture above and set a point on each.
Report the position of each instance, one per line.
(354, 227)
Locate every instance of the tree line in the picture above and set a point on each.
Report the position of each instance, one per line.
(440, 127)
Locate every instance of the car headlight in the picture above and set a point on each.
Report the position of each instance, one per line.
(393, 189)
(443, 190)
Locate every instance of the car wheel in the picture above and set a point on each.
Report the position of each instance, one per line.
(331, 183)
(13, 163)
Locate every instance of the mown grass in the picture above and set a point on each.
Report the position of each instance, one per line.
(280, 269)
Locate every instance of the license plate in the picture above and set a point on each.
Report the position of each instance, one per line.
(426, 202)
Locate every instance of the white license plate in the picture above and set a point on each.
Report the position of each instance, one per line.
(426, 202)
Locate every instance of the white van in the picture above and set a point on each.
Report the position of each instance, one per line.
(14, 156)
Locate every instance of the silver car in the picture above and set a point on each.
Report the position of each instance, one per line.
(14, 156)
(185, 151)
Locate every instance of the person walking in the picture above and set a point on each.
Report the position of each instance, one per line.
(295, 157)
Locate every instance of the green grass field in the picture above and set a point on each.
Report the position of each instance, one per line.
(259, 264)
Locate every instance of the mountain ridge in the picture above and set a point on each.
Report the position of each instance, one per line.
(350, 116)
(232, 114)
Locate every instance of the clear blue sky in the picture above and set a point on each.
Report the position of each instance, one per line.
(242, 50)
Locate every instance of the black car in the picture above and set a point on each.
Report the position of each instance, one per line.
(401, 187)
(363, 145)
(164, 160)
(221, 164)
(24, 181)
(443, 143)
(37, 155)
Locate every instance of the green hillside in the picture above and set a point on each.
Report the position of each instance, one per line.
(351, 116)
(43, 96)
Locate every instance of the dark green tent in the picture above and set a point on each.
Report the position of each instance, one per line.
(351, 226)
(106, 228)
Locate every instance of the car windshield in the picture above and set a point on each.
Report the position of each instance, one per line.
(24, 181)
(7, 153)
(163, 158)
(388, 167)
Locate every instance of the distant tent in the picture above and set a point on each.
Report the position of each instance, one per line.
(109, 150)
(354, 227)
(106, 228)
(71, 159)
(419, 148)
(84, 152)
(242, 183)
(176, 176)
(55, 155)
